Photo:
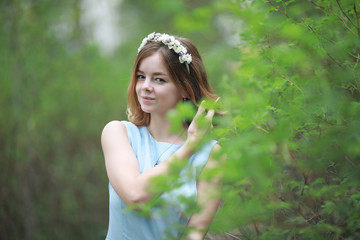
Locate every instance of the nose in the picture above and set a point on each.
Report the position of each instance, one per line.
(147, 85)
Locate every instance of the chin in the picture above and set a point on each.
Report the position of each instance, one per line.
(145, 109)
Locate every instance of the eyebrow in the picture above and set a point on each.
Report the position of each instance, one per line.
(155, 73)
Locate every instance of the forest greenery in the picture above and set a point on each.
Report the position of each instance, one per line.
(288, 76)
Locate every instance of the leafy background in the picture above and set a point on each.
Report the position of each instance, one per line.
(288, 75)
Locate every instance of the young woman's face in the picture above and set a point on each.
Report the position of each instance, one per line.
(155, 89)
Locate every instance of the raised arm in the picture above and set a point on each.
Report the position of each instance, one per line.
(122, 166)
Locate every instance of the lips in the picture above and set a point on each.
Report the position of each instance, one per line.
(147, 99)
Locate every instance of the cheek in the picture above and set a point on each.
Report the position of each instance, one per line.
(175, 94)
(137, 88)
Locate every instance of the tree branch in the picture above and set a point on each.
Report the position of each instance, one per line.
(357, 19)
(293, 84)
(338, 3)
(279, 10)
(346, 26)
(337, 63)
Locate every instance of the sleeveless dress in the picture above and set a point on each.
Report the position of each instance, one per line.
(168, 219)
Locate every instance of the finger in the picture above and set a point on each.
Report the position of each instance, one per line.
(200, 110)
(201, 107)
(210, 114)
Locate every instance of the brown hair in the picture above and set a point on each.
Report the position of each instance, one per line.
(195, 84)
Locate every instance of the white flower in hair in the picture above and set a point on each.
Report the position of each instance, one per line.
(151, 35)
(185, 58)
(171, 43)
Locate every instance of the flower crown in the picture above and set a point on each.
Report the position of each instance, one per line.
(171, 43)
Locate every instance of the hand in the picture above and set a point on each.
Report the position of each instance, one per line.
(197, 131)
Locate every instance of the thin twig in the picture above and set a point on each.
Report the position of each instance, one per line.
(356, 57)
(298, 211)
(262, 129)
(339, 64)
(350, 161)
(279, 10)
(346, 26)
(338, 3)
(268, 42)
(231, 235)
(317, 4)
(357, 19)
(292, 83)
(256, 228)
(329, 40)
(332, 41)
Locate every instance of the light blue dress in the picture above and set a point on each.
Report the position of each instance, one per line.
(168, 218)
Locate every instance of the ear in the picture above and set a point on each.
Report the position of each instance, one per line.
(184, 94)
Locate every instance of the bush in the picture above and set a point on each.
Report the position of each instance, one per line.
(294, 121)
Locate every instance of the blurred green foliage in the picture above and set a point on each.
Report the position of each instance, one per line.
(288, 75)
(293, 101)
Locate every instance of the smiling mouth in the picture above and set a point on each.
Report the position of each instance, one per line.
(147, 98)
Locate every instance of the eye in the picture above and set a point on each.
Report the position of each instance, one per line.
(140, 77)
(159, 80)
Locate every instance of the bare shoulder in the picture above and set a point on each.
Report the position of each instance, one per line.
(113, 132)
(114, 125)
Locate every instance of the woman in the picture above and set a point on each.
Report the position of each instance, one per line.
(167, 70)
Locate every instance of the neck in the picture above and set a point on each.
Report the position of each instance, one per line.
(159, 128)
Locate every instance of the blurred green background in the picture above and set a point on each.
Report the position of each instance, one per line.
(288, 75)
